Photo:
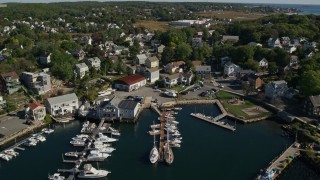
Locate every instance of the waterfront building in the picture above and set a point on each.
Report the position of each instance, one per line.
(61, 105)
(109, 109)
(9, 82)
(312, 106)
(129, 109)
(39, 83)
(130, 83)
(37, 111)
(81, 70)
(276, 89)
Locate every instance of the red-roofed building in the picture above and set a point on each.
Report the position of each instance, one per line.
(37, 111)
(130, 83)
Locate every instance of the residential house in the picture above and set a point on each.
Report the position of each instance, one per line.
(81, 70)
(152, 62)
(197, 42)
(131, 69)
(78, 54)
(174, 67)
(39, 83)
(312, 45)
(196, 63)
(46, 59)
(171, 80)
(285, 41)
(3, 103)
(160, 49)
(290, 49)
(203, 71)
(186, 78)
(231, 69)
(141, 59)
(94, 63)
(312, 106)
(130, 83)
(263, 63)
(152, 74)
(224, 60)
(62, 105)
(155, 43)
(110, 109)
(274, 42)
(36, 111)
(129, 109)
(251, 81)
(294, 61)
(10, 82)
(276, 89)
(231, 39)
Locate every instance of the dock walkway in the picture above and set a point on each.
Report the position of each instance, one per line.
(214, 120)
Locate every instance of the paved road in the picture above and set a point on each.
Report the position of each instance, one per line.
(10, 125)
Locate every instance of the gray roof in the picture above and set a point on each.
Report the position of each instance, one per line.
(62, 99)
(142, 56)
(81, 65)
(153, 59)
(279, 82)
(315, 100)
(203, 68)
(127, 104)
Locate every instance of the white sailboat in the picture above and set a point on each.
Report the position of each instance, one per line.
(168, 153)
(154, 153)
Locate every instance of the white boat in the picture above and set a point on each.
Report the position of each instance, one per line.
(72, 154)
(97, 156)
(154, 132)
(154, 153)
(155, 126)
(79, 138)
(11, 152)
(104, 149)
(91, 172)
(56, 176)
(170, 94)
(47, 131)
(116, 133)
(178, 108)
(171, 126)
(101, 146)
(176, 133)
(106, 139)
(5, 157)
(168, 153)
(77, 143)
(175, 145)
(82, 136)
(175, 141)
(41, 138)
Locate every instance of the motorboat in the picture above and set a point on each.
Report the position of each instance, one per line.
(101, 146)
(155, 126)
(79, 138)
(104, 149)
(77, 143)
(82, 136)
(175, 141)
(178, 108)
(97, 156)
(269, 174)
(91, 172)
(116, 133)
(47, 131)
(154, 153)
(154, 132)
(106, 139)
(41, 138)
(175, 145)
(31, 142)
(5, 157)
(11, 152)
(72, 154)
(176, 133)
(56, 176)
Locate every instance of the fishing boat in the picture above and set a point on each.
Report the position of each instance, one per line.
(56, 176)
(5, 157)
(91, 172)
(11, 152)
(154, 153)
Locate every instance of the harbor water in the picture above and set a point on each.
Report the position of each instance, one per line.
(207, 152)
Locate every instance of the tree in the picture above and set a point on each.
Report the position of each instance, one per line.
(252, 64)
(121, 68)
(167, 55)
(62, 65)
(183, 51)
(310, 83)
(272, 68)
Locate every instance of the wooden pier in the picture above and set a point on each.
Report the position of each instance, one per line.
(277, 164)
(214, 120)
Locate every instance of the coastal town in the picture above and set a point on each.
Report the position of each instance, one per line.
(106, 63)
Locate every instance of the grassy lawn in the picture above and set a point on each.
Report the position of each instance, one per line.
(153, 25)
(238, 16)
(236, 110)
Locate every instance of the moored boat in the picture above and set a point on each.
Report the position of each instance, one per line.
(91, 172)
(56, 176)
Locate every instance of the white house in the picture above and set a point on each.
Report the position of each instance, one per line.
(141, 59)
(276, 89)
(37, 111)
(81, 70)
(3, 103)
(152, 62)
(62, 105)
(171, 80)
(263, 63)
(128, 109)
(274, 42)
(174, 67)
(224, 60)
(231, 69)
(94, 63)
(109, 109)
(203, 71)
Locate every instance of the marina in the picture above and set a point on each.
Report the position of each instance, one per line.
(214, 120)
(134, 145)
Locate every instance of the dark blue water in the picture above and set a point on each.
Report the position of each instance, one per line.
(304, 8)
(207, 152)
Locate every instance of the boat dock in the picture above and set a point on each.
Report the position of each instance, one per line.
(73, 170)
(156, 109)
(162, 136)
(214, 120)
(280, 163)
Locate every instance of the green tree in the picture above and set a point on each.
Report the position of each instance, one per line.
(252, 64)
(183, 51)
(272, 68)
(310, 83)
(167, 55)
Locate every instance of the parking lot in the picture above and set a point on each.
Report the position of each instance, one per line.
(10, 125)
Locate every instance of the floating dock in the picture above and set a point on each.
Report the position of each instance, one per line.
(214, 120)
